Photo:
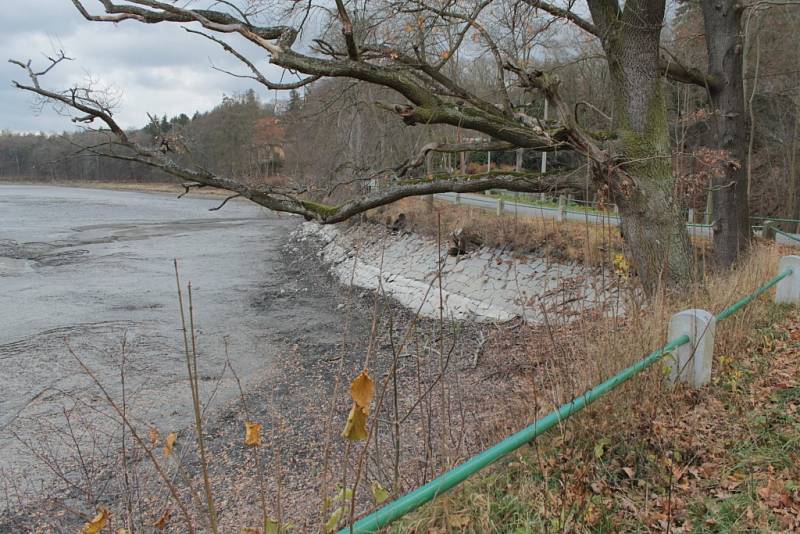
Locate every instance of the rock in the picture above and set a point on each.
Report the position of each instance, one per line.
(481, 284)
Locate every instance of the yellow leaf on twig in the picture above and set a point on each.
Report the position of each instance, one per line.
(333, 520)
(98, 522)
(356, 427)
(169, 443)
(362, 389)
(252, 433)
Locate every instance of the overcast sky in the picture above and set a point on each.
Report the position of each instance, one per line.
(156, 68)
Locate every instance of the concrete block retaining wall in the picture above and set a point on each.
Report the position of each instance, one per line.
(485, 285)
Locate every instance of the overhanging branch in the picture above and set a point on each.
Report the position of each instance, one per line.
(451, 148)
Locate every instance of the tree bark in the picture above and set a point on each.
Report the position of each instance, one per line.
(643, 185)
(731, 212)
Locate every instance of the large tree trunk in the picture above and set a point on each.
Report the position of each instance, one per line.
(651, 221)
(731, 213)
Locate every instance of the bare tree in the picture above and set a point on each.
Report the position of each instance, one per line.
(407, 46)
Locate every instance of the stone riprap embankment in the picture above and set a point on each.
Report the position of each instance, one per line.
(484, 285)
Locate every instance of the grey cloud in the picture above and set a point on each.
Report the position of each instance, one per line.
(157, 68)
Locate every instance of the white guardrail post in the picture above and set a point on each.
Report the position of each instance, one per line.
(788, 290)
(768, 231)
(562, 208)
(691, 362)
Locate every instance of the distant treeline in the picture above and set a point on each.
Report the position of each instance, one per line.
(240, 137)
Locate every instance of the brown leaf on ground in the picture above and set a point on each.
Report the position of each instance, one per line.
(773, 494)
(252, 433)
(98, 522)
(162, 521)
(169, 443)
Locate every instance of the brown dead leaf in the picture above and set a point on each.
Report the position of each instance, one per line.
(458, 520)
(629, 471)
(161, 524)
(252, 433)
(169, 443)
(153, 434)
(98, 522)
(773, 494)
(362, 389)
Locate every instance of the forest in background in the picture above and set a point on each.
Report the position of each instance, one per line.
(331, 135)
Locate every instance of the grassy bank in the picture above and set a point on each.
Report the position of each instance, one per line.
(649, 457)
(593, 244)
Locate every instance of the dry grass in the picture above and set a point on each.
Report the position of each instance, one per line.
(649, 456)
(592, 244)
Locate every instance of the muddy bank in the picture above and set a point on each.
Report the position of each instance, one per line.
(292, 397)
(311, 333)
(94, 268)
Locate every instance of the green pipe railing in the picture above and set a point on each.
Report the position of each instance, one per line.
(736, 306)
(790, 236)
(424, 494)
(775, 219)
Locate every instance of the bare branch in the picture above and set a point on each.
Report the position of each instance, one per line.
(257, 74)
(237, 195)
(79, 99)
(347, 31)
(186, 188)
(565, 14)
(677, 71)
(419, 160)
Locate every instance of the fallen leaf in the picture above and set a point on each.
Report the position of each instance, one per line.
(252, 433)
(458, 520)
(379, 493)
(98, 522)
(629, 471)
(169, 443)
(362, 389)
(161, 524)
(356, 427)
(773, 494)
(600, 447)
(153, 434)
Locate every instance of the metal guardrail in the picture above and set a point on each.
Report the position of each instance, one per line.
(424, 494)
(785, 234)
(775, 219)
